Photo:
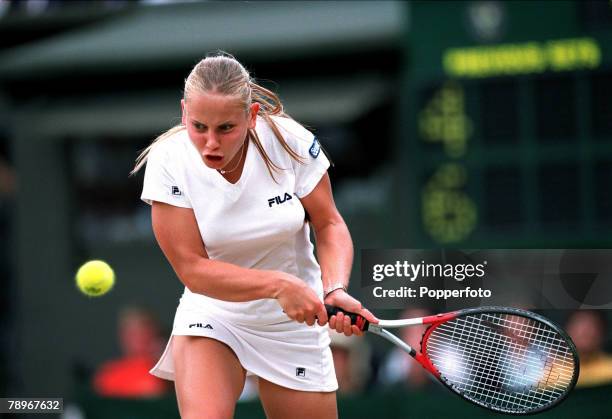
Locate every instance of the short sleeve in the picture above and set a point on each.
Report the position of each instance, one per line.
(161, 182)
(314, 161)
(308, 174)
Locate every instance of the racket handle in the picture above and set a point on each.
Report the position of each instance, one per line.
(356, 319)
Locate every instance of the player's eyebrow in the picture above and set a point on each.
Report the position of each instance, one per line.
(219, 125)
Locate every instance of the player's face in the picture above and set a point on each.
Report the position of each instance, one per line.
(217, 125)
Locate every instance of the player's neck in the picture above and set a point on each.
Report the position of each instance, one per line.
(233, 175)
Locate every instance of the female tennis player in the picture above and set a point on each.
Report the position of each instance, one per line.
(234, 191)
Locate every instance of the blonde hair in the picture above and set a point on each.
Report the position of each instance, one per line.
(223, 74)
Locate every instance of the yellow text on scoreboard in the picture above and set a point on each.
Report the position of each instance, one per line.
(523, 58)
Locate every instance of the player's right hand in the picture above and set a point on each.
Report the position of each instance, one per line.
(341, 323)
(299, 301)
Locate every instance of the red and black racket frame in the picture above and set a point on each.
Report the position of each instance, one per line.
(436, 320)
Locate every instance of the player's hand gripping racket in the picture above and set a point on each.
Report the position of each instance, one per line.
(504, 359)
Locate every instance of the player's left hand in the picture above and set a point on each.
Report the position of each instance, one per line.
(341, 323)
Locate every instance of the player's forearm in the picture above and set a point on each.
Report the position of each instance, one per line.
(225, 281)
(335, 253)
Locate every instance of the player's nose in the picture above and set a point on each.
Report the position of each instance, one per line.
(212, 142)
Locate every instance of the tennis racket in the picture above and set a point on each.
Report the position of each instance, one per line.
(503, 359)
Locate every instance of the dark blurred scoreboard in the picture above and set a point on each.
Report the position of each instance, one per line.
(506, 132)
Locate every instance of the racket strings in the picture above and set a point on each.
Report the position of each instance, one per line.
(486, 384)
(492, 361)
(518, 355)
(501, 360)
(488, 366)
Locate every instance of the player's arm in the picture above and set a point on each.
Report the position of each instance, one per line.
(178, 235)
(334, 252)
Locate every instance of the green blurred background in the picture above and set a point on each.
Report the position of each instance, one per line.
(467, 124)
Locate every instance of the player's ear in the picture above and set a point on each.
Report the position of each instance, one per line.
(183, 118)
(254, 110)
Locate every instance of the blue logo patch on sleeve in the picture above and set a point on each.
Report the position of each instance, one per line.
(315, 148)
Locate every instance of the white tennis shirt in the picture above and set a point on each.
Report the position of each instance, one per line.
(255, 223)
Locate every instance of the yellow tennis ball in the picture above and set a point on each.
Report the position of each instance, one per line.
(95, 278)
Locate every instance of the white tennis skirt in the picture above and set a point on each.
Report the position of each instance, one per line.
(287, 353)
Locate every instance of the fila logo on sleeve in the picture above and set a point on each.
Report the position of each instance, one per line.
(315, 148)
(176, 191)
(278, 200)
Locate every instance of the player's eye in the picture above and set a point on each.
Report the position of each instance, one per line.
(226, 127)
(198, 126)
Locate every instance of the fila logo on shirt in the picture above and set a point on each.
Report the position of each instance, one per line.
(278, 200)
(176, 191)
(201, 326)
(300, 372)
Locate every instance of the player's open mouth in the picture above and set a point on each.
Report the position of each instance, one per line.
(213, 158)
